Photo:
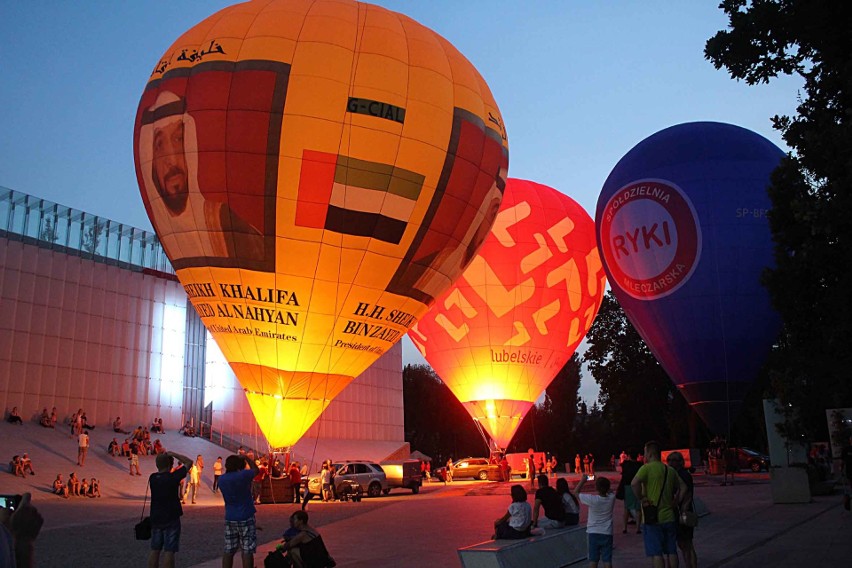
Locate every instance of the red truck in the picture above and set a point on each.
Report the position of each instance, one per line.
(518, 463)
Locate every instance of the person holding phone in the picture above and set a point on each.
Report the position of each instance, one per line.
(20, 523)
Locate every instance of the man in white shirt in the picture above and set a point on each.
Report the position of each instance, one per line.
(82, 448)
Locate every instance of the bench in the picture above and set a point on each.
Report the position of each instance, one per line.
(556, 548)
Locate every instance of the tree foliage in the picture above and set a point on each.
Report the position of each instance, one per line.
(638, 401)
(810, 191)
(548, 426)
(436, 423)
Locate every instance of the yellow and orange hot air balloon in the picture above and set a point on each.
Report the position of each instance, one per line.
(318, 172)
(501, 333)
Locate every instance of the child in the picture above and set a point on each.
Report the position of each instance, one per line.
(94, 488)
(516, 522)
(84, 488)
(599, 523)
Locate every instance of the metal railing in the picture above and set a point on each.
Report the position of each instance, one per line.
(50, 225)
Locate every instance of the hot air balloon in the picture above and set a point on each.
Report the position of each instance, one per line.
(683, 232)
(317, 172)
(501, 333)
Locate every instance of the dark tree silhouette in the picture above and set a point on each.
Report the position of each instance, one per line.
(811, 191)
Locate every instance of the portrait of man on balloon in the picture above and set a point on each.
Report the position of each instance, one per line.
(206, 192)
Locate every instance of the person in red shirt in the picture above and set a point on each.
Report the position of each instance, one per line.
(295, 480)
(505, 470)
(262, 473)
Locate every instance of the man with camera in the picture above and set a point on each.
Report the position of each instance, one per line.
(165, 508)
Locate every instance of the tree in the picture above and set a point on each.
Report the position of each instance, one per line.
(435, 421)
(49, 231)
(638, 401)
(92, 237)
(810, 191)
(560, 405)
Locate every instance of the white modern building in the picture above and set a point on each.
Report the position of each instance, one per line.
(93, 317)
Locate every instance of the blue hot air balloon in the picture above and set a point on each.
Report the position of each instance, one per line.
(684, 237)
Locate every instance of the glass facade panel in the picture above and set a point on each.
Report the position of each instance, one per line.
(53, 225)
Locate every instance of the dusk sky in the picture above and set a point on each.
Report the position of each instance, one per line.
(578, 85)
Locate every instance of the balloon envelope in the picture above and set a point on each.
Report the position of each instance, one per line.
(317, 172)
(683, 232)
(501, 333)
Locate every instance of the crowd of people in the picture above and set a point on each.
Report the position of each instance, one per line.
(238, 479)
(138, 443)
(76, 487)
(236, 486)
(658, 497)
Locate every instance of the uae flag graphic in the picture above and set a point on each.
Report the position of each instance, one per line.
(356, 197)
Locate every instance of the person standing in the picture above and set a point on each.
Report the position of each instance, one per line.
(629, 467)
(199, 463)
(531, 470)
(599, 524)
(133, 457)
(257, 481)
(657, 484)
(82, 448)
(240, 527)
(295, 480)
(193, 477)
(578, 464)
(165, 508)
(217, 473)
(505, 469)
(449, 476)
(332, 474)
(325, 482)
(685, 534)
(732, 464)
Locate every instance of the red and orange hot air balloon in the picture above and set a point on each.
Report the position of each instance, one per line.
(318, 173)
(501, 333)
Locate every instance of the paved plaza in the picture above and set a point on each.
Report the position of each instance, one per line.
(743, 528)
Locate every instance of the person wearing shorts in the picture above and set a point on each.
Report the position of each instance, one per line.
(240, 528)
(658, 484)
(165, 508)
(599, 524)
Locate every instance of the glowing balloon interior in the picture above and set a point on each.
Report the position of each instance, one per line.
(500, 334)
(684, 237)
(318, 172)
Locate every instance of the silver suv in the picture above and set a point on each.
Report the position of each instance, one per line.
(369, 475)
